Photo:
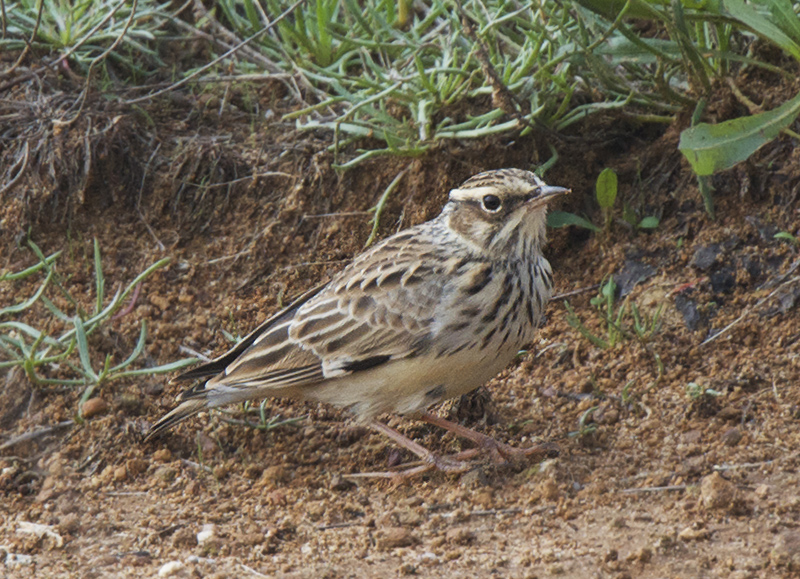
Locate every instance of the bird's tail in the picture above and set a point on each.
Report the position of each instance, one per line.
(185, 409)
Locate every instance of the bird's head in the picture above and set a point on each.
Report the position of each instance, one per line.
(501, 213)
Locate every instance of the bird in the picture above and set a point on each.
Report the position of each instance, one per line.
(428, 314)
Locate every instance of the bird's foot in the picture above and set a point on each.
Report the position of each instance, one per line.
(499, 452)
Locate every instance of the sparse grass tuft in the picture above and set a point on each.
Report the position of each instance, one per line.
(57, 349)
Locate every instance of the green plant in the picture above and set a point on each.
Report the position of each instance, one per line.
(265, 422)
(642, 326)
(695, 391)
(788, 237)
(713, 148)
(86, 33)
(606, 190)
(41, 353)
(585, 428)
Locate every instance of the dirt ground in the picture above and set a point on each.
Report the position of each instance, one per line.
(679, 449)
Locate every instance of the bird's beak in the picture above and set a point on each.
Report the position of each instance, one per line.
(551, 191)
(546, 193)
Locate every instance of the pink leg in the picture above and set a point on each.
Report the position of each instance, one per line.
(499, 451)
(429, 459)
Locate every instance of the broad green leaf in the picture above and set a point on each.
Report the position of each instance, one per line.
(713, 148)
(606, 188)
(563, 219)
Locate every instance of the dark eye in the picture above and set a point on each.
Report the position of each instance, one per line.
(491, 203)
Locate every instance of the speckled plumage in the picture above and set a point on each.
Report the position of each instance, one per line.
(429, 313)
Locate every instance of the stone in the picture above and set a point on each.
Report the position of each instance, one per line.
(94, 407)
(396, 537)
(716, 493)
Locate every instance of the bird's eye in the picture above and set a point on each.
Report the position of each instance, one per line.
(491, 203)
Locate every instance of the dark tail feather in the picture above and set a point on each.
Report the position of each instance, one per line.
(219, 364)
(185, 410)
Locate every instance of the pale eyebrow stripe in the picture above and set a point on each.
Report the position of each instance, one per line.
(471, 194)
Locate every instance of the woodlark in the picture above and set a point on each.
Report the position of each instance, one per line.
(429, 313)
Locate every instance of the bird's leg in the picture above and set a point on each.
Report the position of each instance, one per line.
(499, 451)
(430, 460)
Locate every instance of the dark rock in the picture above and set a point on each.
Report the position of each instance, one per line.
(722, 281)
(632, 273)
(705, 256)
(688, 309)
(752, 265)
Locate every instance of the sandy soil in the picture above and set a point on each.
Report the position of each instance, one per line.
(679, 449)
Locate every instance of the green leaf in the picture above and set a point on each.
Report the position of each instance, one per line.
(136, 351)
(628, 215)
(163, 369)
(100, 280)
(713, 148)
(767, 28)
(558, 219)
(31, 270)
(606, 188)
(786, 236)
(16, 308)
(83, 350)
(649, 222)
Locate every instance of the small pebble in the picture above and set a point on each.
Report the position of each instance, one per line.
(120, 474)
(610, 416)
(275, 474)
(94, 407)
(130, 404)
(166, 473)
(17, 560)
(339, 483)
(460, 536)
(732, 436)
(169, 569)
(184, 537)
(253, 471)
(206, 533)
(692, 534)
(409, 518)
(716, 492)
(162, 455)
(475, 478)
(407, 569)
(762, 491)
(137, 466)
(395, 537)
(315, 509)
(549, 490)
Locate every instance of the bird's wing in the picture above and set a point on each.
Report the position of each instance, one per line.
(371, 313)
